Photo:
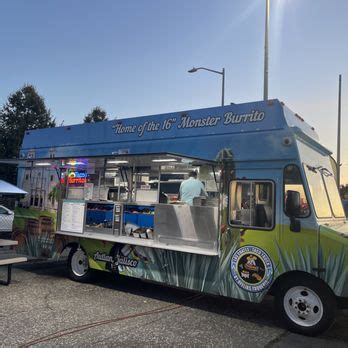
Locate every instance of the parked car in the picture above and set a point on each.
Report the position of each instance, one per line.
(345, 206)
(6, 220)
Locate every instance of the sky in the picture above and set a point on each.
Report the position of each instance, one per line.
(131, 57)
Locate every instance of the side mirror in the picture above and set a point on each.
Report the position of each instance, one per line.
(9, 212)
(292, 203)
(292, 208)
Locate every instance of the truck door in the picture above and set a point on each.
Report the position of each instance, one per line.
(254, 204)
(298, 241)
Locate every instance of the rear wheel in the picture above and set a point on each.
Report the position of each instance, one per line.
(78, 265)
(305, 304)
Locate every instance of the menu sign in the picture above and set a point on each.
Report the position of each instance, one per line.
(187, 122)
(73, 214)
(75, 177)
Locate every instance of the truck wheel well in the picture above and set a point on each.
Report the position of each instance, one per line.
(295, 274)
(70, 245)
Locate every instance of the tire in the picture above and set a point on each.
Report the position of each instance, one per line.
(78, 266)
(305, 304)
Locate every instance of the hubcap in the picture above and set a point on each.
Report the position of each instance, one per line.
(79, 263)
(303, 306)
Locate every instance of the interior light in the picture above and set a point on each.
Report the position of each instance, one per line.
(164, 160)
(117, 162)
(43, 164)
(75, 163)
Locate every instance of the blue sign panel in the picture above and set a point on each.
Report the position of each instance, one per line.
(198, 133)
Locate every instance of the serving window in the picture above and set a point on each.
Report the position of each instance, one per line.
(156, 179)
(252, 204)
(133, 199)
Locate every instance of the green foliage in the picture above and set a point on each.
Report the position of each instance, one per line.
(53, 195)
(302, 259)
(24, 110)
(21, 214)
(191, 271)
(336, 271)
(38, 246)
(299, 258)
(97, 114)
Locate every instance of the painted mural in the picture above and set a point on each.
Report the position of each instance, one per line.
(36, 215)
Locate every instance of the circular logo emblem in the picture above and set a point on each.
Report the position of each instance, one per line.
(252, 268)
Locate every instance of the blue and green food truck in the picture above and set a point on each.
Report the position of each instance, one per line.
(272, 222)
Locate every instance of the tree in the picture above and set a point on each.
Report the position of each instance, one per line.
(97, 114)
(24, 110)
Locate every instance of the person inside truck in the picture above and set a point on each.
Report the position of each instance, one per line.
(191, 188)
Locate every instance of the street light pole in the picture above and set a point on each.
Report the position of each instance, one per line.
(222, 73)
(339, 133)
(265, 78)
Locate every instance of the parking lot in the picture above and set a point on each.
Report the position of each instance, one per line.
(42, 307)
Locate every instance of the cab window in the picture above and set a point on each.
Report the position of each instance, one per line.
(293, 183)
(252, 204)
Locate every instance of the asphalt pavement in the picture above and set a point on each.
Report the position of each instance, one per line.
(43, 308)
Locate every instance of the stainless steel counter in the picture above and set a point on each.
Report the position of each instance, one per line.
(180, 227)
(184, 225)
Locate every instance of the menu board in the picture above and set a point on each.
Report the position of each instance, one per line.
(73, 214)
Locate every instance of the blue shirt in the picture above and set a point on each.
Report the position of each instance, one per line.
(190, 189)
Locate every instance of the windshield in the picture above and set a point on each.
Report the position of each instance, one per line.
(319, 169)
(334, 196)
(318, 192)
(323, 188)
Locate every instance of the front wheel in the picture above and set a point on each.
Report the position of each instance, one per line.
(306, 305)
(78, 265)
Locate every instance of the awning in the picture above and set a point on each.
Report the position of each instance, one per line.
(11, 161)
(125, 161)
(9, 189)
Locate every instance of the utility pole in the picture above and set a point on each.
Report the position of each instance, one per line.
(339, 133)
(223, 88)
(265, 78)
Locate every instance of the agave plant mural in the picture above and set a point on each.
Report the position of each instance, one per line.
(334, 263)
(336, 272)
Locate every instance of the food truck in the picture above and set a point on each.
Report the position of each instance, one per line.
(272, 221)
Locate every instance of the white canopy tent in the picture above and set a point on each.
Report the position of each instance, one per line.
(9, 189)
